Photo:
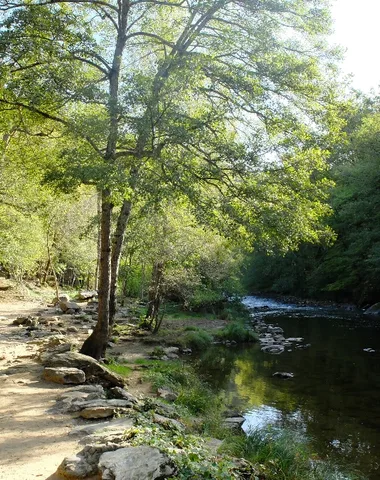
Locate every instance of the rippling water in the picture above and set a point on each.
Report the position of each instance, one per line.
(334, 396)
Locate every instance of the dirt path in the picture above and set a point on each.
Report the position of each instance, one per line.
(33, 442)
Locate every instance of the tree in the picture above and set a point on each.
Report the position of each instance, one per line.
(347, 270)
(186, 95)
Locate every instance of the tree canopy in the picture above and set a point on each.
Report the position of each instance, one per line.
(229, 103)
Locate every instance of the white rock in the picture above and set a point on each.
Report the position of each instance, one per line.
(135, 463)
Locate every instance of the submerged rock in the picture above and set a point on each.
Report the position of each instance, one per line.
(275, 349)
(284, 375)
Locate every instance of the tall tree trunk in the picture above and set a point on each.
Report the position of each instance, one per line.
(155, 294)
(117, 243)
(95, 345)
(99, 241)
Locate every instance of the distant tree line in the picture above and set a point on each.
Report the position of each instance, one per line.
(349, 269)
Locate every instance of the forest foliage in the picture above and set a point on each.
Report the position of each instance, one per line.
(347, 270)
(147, 145)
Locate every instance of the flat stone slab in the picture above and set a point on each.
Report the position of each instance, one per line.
(117, 425)
(234, 422)
(135, 463)
(104, 408)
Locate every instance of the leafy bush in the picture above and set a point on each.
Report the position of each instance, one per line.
(198, 339)
(206, 300)
(237, 332)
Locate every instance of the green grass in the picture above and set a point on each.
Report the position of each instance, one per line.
(284, 455)
(193, 392)
(119, 368)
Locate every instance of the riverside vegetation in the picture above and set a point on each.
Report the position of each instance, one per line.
(273, 453)
(183, 153)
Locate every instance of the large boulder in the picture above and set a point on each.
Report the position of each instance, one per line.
(85, 463)
(135, 463)
(64, 375)
(374, 310)
(95, 372)
(87, 294)
(69, 307)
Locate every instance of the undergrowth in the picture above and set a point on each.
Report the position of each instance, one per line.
(282, 454)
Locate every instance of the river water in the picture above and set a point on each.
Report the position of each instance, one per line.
(334, 397)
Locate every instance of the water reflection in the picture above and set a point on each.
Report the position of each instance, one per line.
(334, 396)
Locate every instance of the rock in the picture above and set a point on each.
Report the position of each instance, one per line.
(85, 463)
(169, 350)
(63, 297)
(116, 425)
(135, 463)
(167, 422)
(373, 310)
(167, 394)
(160, 407)
(93, 369)
(295, 339)
(284, 375)
(213, 444)
(69, 307)
(234, 422)
(5, 284)
(369, 350)
(29, 321)
(187, 351)
(64, 375)
(2, 318)
(97, 412)
(72, 329)
(87, 294)
(275, 329)
(75, 398)
(103, 408)
(121, 393)
(275, 349)
(19, 321)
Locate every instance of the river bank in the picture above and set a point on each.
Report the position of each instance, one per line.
(201, 444)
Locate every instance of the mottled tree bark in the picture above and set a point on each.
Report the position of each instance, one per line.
(117, 243)
(95, 345)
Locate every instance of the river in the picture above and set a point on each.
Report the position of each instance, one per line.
(334, 397)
